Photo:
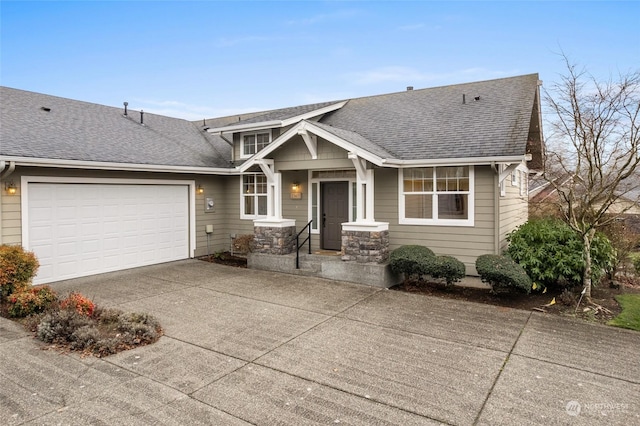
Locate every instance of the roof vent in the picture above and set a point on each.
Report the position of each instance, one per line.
(47, 109)
(477, 98)
(142, 117)
(464, 99)
(126, 104)
(409, 88)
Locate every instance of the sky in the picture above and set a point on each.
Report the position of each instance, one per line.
(201, 59)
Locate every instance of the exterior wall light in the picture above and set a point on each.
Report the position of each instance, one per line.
(10, 187)
(295, 191)
(199, 190)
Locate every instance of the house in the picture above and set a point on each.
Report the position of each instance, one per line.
(91, 188)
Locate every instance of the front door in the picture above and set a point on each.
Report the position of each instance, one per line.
(335, 211)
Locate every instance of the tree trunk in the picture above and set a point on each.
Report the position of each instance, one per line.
(586, 276)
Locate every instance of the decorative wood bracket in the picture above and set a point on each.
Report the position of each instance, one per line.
(311, 141)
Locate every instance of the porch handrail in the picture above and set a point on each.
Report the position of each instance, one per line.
(298, 244)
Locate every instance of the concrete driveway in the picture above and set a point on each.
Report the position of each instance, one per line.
(253, 347)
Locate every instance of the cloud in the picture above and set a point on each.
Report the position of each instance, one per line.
(229, 42)
(411, 27)
(324, 17)
(185, 111)
(413, 76)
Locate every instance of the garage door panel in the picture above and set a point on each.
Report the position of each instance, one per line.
(84, 229)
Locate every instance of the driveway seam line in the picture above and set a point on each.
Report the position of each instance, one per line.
(504, 364)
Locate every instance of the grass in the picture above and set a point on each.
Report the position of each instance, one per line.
(630, 315)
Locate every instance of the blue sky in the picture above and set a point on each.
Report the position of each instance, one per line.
(211, 58)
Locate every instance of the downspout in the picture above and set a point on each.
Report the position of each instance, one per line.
(496, 213)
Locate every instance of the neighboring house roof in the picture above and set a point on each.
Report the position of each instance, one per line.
(48, 127)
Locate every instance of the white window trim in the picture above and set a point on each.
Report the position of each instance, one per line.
(258, 132)
(470, 221)
(318, 194)
(242, 197)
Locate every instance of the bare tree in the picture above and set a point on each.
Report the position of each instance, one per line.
(592, 150)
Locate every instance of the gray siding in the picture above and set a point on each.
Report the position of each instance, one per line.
(224, 217)
(463, 242)
(514, 211)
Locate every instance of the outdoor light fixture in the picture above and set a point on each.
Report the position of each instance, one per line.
(199, 189)
(295, 191)
(10, 187)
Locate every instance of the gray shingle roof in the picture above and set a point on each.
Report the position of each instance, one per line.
(420, 124)
(435, 124)
(284, 113)
(355, 139)
(75, 130)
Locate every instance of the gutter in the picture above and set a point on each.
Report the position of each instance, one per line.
(130, 167)
(475, 161)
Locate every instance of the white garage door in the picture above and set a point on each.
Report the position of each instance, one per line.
(79, 229)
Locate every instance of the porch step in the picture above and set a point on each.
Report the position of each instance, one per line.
(322, 266)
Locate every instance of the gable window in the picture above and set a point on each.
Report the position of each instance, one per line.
(251, 143)
(436, 196)
(254, 196)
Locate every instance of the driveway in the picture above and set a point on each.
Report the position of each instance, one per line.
(253, 347)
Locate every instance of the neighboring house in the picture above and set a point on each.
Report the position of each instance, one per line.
(96, 190)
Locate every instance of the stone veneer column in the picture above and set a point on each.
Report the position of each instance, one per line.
(365, 242)
(274, 236)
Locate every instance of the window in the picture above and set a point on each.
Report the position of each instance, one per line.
(436, 196)
(251, 143)
(254, 196)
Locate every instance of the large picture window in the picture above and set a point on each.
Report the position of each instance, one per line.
(436, 195)
(254, 196)
(254, 142)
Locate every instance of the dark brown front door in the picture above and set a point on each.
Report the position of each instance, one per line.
(335, 211)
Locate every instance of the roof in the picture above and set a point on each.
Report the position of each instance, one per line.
(42, 126)
(435, 123)
(494, 121)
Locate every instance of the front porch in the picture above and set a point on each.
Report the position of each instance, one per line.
(325, 266)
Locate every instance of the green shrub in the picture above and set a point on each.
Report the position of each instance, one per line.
(17, 268)
(636, 264)
(411, 260)
(551, 253)
(31, 301)
(449, 268)
(503, 274)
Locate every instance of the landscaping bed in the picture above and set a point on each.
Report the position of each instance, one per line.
(602, 296)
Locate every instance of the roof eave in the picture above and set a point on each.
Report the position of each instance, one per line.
(463, 161)
(130, 167)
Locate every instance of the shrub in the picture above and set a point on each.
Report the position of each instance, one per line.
(242, 244)
(411, 260)
(58, 326)
(17, 268)
(503, 274)
(31, 301)
(449, 268)
(79, 303)
(107, 332)
(636, 264)
(551, 253)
